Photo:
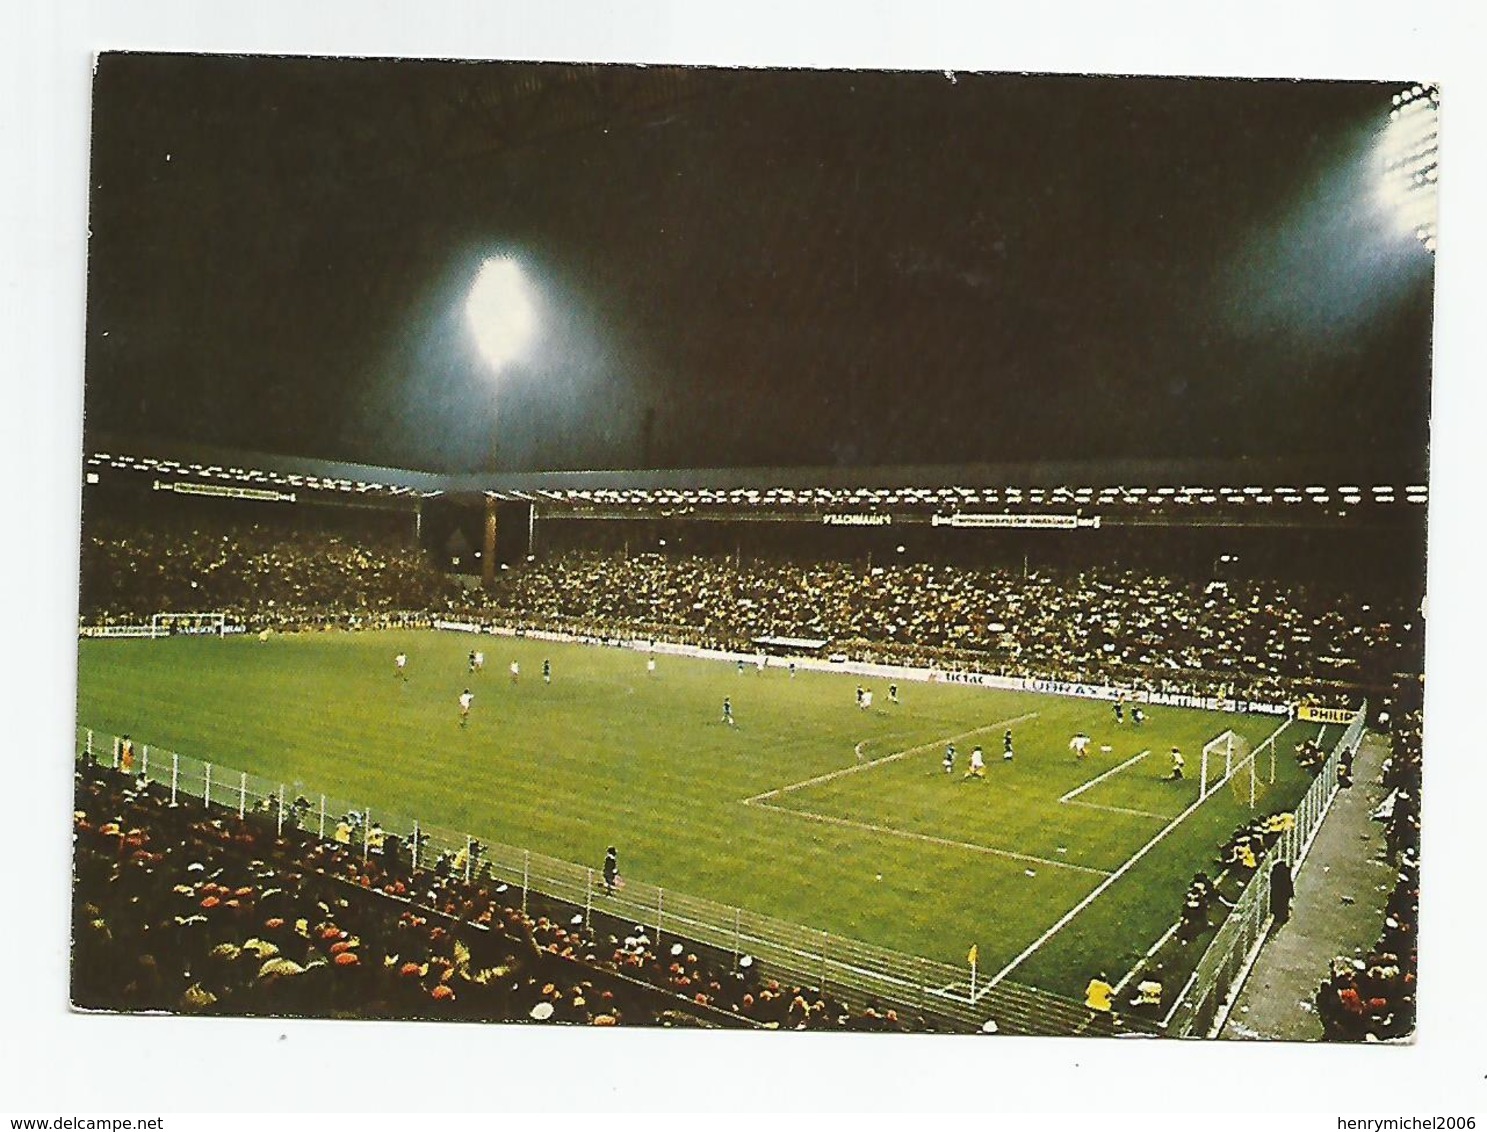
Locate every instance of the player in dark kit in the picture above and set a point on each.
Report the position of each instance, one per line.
(611, 869)
(547, 672)
(1007, 747)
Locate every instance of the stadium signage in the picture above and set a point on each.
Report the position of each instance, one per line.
(1310, 713)
(856, 519)
(841, 662)
(978, 678)
(223, 491)
(1073, 688)
(1109, 692)
(1215, 703)
(1006, 520)
(810, 643)
(153, 631)
(117, 631)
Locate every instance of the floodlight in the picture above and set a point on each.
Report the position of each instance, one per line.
(501, 312)
(1408, 154)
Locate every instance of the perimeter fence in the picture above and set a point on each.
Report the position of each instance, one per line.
(1214, 980)
(856, 972)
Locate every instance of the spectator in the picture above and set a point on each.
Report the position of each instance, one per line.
(611, 869)
(270, 924)
(1256, 639)
(1282, 890)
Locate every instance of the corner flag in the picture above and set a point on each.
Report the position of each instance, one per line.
(971, 955)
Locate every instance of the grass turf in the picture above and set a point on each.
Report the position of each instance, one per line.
(608, 753)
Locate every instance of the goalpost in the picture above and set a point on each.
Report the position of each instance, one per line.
(1239, 767)
(196, 624)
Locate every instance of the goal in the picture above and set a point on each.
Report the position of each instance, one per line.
(1223, 756)
(190, 624)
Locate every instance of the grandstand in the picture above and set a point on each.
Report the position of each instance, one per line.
(380, 556)
(783, 714)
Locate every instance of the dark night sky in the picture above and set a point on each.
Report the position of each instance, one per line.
(783, 268)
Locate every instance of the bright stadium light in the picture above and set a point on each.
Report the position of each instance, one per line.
(1407, 154)
(501, 313)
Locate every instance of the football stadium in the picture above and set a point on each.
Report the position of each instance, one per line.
(774, 550)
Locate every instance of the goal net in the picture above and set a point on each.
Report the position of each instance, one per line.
(1226, 758)
(192, 624)
(1249, 782)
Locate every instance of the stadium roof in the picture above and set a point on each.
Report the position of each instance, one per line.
(1187, 492)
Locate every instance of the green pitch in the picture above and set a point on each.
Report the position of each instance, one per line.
(809, 809)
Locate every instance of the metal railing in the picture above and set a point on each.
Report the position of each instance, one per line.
(938, 995)
(1214, 978)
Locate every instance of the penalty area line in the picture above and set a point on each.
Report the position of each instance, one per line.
(1120, 810)
(859, 766)
(1078, 790)
(1100, 889)
(859, 749)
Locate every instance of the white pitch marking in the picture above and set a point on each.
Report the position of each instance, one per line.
(827, 777)
(848, 823)
(1150, 951)
(1162, 939)
(859, 751)
(1063, 920)
(1120, 810)
(1078, 790)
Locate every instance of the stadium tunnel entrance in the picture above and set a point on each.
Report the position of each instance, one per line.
(471, 535)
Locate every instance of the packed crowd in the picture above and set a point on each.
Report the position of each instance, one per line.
(1372, 997)
(181, 908)
(1102, 626)
(1252, 639)
(259, 575)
